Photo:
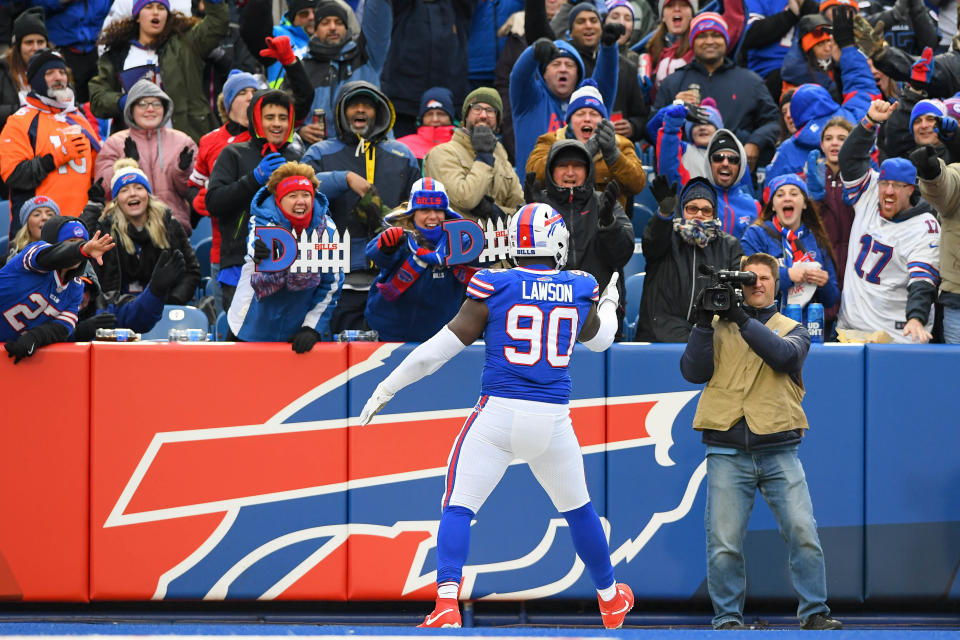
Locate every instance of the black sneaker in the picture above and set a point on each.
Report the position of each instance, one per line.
(732, 625)
(821, 622)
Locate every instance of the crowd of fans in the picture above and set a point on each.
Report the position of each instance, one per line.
(823, 134)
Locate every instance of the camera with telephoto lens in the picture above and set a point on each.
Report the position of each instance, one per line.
(720, 289)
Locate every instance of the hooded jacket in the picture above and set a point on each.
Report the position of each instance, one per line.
(812, 107)
(181, 60)
(261, 312)
(736, 207)
(361, 58)
(159, 151)
(535, 109)
(670, 286)
(742, 97)
(486, 41)
(232, 185)
(598, 250)
(386, 164)
(422, 310)
(943, 192)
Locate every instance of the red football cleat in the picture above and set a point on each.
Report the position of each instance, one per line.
(447, 614)
(615, 611)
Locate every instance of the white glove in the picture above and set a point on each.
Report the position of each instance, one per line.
(374, 404)
(611, 292)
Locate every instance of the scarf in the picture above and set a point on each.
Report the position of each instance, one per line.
(792, 244)
(697, 233)
(416, 263)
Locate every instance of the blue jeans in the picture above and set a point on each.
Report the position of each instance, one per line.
(732, 483)
(951, 325)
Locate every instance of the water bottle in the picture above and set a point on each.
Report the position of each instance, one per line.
(794, 312)
(815, 321)
(117, 335)
(187, 335)
(355, 335)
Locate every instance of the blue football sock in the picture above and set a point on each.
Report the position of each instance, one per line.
(453, 543)
(590, 543)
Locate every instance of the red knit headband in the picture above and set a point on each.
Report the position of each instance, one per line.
(293, 183)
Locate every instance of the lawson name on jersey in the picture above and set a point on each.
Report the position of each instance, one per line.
(546, 291)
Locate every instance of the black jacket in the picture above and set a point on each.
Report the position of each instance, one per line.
(232, 185)
(598, 250)
(782, 354)
(670, 285)
(121, 269)
(9, 97)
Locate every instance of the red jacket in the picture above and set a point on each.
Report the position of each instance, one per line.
(427, 138)
(210, 147)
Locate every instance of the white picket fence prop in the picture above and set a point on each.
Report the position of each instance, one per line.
(316, 255)
(495, 237)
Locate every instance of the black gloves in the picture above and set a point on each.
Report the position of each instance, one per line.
(96, 192)
(87, 329)
(926, 161)
(483, 139)
(735, 313)
(169, 266)
(607, 202)
(607, 141)
(304, 339)
(665, 194)
(186, 157)
(27, 343)
(696, 115)
(260, 251)
(843, 27)
(611, 33)
(544, 51)
(130, 149)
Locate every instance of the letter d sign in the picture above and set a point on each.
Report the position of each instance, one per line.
(465, 240)
(272, 236)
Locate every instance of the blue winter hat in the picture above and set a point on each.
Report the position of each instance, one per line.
(128, 175)
(785, 179)
(35, 203)
(586, 95)
(236, 82)
(437, 98)
(580, 8)
(927, 107)
(60, 228)
(613, 4)
(697, 188)
(426, 193)
(899, 170)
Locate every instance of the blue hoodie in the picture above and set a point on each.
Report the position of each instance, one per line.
(758, 237)
(277, 315)
(536, 110)
(812, 107)
(484, 46)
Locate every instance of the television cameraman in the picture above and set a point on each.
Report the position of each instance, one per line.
(752, 423)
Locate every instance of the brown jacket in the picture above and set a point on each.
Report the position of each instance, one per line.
(627, 170)
(943, 192)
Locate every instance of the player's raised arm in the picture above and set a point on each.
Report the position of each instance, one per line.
(460, 332)
(600, 327)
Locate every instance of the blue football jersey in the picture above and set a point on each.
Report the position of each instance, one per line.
(31, 296)
(535, 317)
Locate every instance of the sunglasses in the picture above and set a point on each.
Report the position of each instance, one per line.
(729, 157)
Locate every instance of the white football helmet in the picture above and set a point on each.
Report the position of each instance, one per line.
(537, 229)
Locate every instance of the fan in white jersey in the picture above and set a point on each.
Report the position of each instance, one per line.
(893, 258)
(530, 317)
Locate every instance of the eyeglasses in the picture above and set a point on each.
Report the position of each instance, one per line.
(893, 184)
(479, 108)
(729, 157)
(149, 104)
(694, 210)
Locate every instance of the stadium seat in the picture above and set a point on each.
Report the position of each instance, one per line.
(177, 317)
(641, 215)
(634, 293)
(201, 232)
(637, 263)
(5, 218)
(202, 250)
(4, 245)
(222, 327)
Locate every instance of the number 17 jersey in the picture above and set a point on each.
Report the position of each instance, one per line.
(535, 315)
